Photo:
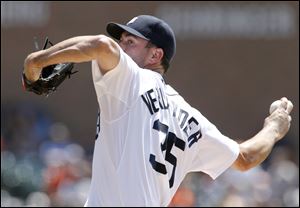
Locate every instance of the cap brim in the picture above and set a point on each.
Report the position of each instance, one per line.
(115, 30)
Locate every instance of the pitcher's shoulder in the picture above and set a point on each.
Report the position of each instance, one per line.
(171, 91)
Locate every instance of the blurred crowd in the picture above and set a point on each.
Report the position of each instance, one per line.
(42, 166)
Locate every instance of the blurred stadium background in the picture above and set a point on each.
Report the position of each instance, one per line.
(233, 60)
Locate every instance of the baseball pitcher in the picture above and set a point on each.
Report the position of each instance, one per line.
(148, 136)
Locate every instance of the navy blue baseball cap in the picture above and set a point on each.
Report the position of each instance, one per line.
(148, 27)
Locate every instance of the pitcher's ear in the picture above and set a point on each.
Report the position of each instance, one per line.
(157, 55)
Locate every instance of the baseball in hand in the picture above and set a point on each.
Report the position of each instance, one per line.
(274, 106)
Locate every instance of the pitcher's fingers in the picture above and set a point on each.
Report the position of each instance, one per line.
(284, 103)
(284, 99)
(289, 107)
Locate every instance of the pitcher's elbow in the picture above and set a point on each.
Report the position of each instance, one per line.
(32, 60)
(243, 163)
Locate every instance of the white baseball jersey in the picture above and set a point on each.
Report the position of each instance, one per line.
(149, 138)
